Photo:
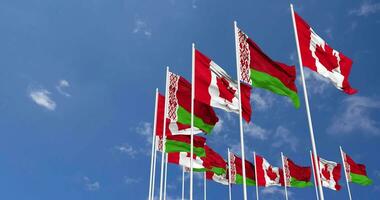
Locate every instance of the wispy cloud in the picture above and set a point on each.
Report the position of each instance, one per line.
(218, 127)
(42, 98)
(91, 185)
(355, 115)
(62, 85)
(141, 27)
(256, 131)
(366, 8)
(127, 149)
(262, 100)
(283, 137)
(329, 33)
(194, 4)
(130, 180)
(275, 191)
(316, 84)
(146, 130)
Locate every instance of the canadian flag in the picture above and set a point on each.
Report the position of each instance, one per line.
(267, 175)
(214, 87)
(184, 159)
(330, 173)
(320, 57)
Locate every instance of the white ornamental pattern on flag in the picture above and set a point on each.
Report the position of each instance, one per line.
(245, 58)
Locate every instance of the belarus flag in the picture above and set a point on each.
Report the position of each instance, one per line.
(320, 57)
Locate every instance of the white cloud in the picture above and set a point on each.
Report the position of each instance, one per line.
(127, 149)
(275, 191)
(262, 100)
(366, 8)
(91, 185)
(62, 84)
(145, 129)
(283, 137)
(129, 180)
(41, 97)
(142, 28)
(315, 83)
(328, 32)
(256, 131)
(356, 116)
(218, 127)
(194, 4)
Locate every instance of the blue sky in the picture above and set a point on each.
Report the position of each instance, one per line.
(78, 78)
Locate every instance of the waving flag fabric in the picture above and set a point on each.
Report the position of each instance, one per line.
(181, 143)
(216, 88)
(267, 175)
(295, 175)
(179, 106)
(330, 174)
(222, 178)
(214, 162)
(184, 159)
(356, 173)
(259, 70)
(173, 127)
(236, 168)
(321, 58)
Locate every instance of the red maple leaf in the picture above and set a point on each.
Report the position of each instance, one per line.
(325, 172)
(272, 175)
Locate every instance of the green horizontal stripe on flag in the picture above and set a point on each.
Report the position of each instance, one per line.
(249, 182)
(172, 146)
(360, 179)
(199, 170)
(184, 117)
(299, 184)
(273, 84)
(218, 170)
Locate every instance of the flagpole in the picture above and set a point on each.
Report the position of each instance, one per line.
(240, 110)
(164, 133)
(192, 119)
(153, 147)
(154, 168)
(257, 183)
(315, 180)
(183, 183)
(229, 175)
(285, 177)
(204, 186)
(345, 172)
(307, 106)
(166, 175)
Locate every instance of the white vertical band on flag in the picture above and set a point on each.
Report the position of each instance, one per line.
(329, 167)
(314, 148)
(285, 177)
(151, 185)
(216, 100)
(164, 133)
(240, 112)
(345, 167)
